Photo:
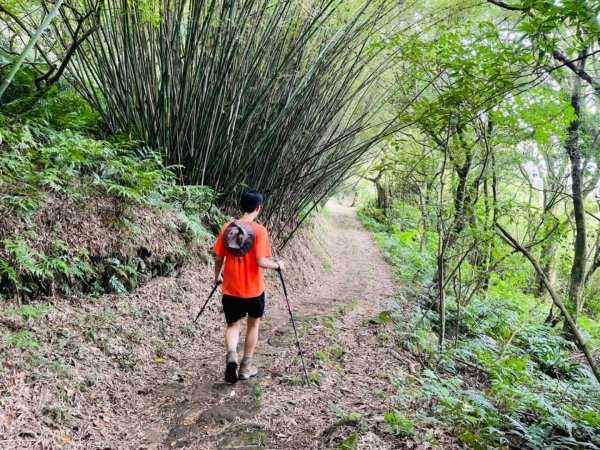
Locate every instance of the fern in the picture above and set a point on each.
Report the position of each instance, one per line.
(26, 259)
(123, 192)
(398, 425)
(193, 229)
(30, 311)
(21, 206)
(21, 339)
(116, 285)
(8, 271)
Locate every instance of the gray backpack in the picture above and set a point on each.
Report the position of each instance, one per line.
(238, 238)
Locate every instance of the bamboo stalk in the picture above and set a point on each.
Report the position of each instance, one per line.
(244, 93)
(32, 41)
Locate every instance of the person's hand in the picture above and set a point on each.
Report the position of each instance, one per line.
(281, 265)
(219, 279)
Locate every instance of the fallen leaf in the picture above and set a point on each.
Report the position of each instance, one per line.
(67, 439)
(160, 360)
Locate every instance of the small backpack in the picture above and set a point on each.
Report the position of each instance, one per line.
(238, 238)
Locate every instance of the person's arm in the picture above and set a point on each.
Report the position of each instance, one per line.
(263, 252)
(268, 263)
(219, 260)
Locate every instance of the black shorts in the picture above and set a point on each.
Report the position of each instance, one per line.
(236, 308)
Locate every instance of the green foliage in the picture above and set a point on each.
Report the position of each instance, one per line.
(56, 416)
(349, 443)
(87, 383)
(345, 420)
(321, 356)
(30, 311)
(49, 153)
(398, 425)
(316, 377)
(21, 339)
(28, 270)
(37, 158)
(534, 396)
(337, 352)
(400, 250)
(551, 353)
(61, 108)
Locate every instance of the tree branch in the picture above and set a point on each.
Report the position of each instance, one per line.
(24, 27)
(559, 56)
(555, 298)
(505, 5)
(570, 62)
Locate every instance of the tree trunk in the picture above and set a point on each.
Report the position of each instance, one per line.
(547, 261)
(577, 278)
(423, 220)
(381, 194)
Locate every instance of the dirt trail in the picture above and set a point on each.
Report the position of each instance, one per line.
(344, 354)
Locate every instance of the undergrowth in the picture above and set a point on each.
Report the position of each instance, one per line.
(53, 153)
(504, 379)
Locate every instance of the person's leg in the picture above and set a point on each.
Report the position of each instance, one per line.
(256, 309)
(232, 335)
(251, 337)
(233, 316)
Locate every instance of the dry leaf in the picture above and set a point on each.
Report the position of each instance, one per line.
(67, 439)
(159, 360)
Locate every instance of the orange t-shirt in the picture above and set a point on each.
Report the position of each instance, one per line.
(242, 277)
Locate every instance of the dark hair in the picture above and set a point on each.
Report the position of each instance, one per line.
(251, 200)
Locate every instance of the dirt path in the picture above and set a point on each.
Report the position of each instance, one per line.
(345, 356)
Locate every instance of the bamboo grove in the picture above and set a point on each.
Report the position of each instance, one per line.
(276, 95)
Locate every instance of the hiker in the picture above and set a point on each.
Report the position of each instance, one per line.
(243, 248)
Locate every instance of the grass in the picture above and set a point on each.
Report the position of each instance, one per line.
(257, 390)
(56, 416)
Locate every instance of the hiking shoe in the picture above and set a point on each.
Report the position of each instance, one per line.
(247, 371)
(231, 364)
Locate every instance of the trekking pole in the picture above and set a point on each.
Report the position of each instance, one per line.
(206, 302)
(300, 352)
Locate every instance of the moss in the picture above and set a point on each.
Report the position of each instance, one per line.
(316, 377)
(337, 352)
(293, 381)
(245, 437)
(321, 356)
